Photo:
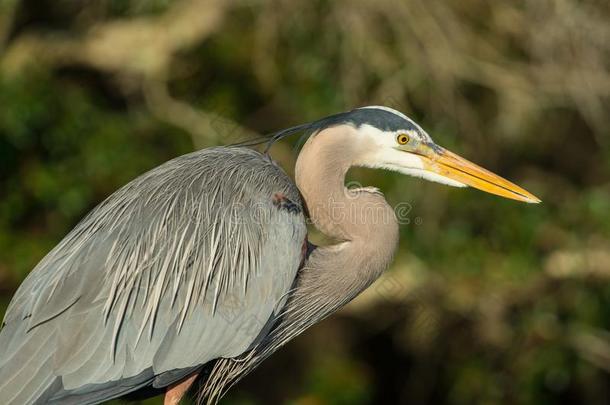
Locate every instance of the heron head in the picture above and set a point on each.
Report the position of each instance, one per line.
(395, 142)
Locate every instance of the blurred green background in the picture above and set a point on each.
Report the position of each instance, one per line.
(488, 302)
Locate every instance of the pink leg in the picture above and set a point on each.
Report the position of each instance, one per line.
(176, 391)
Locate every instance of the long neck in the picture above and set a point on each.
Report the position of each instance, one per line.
(360, 220)
(365, 229)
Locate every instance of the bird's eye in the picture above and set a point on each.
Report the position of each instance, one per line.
(402, 139)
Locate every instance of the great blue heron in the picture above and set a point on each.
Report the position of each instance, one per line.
(201, 268)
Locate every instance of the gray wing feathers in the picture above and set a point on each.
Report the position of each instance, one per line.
(182, 265)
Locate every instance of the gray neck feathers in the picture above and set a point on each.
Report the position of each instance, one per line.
(366, 232)
(360, 220)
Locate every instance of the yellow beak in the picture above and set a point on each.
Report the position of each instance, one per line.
(448, 164)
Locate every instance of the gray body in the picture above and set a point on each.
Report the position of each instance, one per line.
(202, 267)
(194, 262)
(174, 259)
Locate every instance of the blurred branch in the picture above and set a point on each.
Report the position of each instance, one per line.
(205, 128)
(581, 263)
(142, 46)
(8, 9)
(593, 346)
(532, 55)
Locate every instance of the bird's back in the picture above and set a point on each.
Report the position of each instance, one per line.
(185, 264)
